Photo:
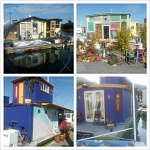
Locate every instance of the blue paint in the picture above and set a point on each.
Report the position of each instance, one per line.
(109, 102)
(22, 114)
(38, 96)
(6, 100)
(115, 80)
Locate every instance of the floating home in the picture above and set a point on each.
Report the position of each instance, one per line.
(32, 107)
(112, 97)
(107, 24)
(34, 27)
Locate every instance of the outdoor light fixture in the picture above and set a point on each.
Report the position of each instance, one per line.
(85, 86)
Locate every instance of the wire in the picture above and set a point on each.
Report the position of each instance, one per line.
(66, 63)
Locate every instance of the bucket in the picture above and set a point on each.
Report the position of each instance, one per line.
(28, 101)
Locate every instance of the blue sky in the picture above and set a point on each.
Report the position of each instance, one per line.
(50, 11)
(137, 11)
(63, 92)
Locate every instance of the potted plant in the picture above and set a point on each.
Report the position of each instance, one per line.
(30, 82)
(111, 61)
(110, 123)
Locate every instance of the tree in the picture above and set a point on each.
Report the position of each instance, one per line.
(123, 37)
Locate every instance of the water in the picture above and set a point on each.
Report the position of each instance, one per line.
(141, 131)
(44, 61)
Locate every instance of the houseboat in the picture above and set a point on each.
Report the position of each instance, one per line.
(32, 108)
(110, 99)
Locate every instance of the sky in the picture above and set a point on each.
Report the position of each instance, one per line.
(137, 11)
(134, 78)
(50, 11)
(63, 92)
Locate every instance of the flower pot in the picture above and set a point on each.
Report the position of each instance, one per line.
(57, 138)
(92, 58)
(110, 126)
(80, 59)
(62, 138)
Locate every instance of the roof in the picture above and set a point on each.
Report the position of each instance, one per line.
(41, 104)
(37, 18)
(25, 78)
(107, 13)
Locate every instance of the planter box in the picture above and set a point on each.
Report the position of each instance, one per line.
(110, 126)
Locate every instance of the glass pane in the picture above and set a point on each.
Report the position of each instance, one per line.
(89, 105)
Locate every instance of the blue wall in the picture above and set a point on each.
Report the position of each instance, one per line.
(38, 95)
(80, 104)
(115, 80)
(6, 100)
(109, 103)
(22, 114)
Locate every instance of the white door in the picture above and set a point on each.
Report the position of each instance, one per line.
(94, 100)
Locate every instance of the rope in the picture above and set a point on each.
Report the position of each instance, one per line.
(66, 63)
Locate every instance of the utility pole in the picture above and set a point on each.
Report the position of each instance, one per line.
(10, 17)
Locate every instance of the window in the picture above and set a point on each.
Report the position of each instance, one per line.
(118, 102)
(35, 28)
(16, 90)
(45, 88)
(123, 16)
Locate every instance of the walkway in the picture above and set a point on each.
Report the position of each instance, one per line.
(103, 67)
(67, 142)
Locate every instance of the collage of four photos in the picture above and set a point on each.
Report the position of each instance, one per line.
(75, 75)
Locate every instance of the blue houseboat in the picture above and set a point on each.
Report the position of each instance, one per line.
(32, 108)
(112, 97)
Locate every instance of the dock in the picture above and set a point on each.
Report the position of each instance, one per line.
(52, 43)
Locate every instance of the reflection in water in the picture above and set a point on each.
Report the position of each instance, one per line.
(141, 130)
(44, 61)
(34, 59)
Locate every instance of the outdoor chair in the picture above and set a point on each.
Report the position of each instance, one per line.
(130, 57)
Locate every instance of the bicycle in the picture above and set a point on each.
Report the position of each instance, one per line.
(23, 136)
(11, 125)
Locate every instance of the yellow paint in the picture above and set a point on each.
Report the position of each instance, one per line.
(21, 91)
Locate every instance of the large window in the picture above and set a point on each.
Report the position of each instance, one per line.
(118, 102)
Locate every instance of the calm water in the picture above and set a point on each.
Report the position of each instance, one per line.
(44, 61)
(141, 130)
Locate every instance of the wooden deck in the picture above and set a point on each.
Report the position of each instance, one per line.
(35, 48)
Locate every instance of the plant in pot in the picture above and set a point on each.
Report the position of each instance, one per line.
(30, 82)
(110, 123)
(111, 61)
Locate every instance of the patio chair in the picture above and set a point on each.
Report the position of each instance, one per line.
(130, 57)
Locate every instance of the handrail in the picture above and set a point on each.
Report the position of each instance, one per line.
(105, 134)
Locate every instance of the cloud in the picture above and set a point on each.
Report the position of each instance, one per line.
(133, 8)
(40, 9)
